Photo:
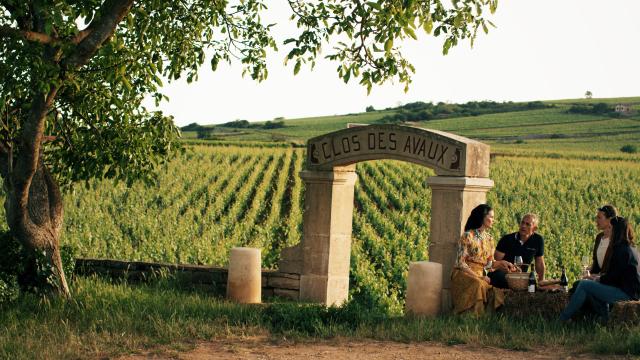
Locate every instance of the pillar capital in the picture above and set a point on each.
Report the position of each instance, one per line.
(339, 176)
(457, 183)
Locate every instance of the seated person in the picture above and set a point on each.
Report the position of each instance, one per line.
(525, 243)
(619, 279)
(601, 247)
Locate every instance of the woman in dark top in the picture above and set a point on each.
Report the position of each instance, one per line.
(619, 280)
(601, 247)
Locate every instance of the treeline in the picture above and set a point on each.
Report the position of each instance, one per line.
(236, 124)
(422, 111)
(208, 132)
(244, 124)
(594, 109)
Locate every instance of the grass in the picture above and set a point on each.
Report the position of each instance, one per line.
(107, 319)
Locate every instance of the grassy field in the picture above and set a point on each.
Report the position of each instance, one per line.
(105, 320)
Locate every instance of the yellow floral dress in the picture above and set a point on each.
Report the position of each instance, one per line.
(472, 293)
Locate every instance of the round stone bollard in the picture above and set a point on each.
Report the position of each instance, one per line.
(424, 288)
(244, 280)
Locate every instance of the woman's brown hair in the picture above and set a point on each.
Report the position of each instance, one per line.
(621, 231)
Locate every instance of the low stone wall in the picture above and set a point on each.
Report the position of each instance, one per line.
(274, 283)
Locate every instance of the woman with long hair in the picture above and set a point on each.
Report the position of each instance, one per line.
(471, 289)
(619, 279)
(601, 248)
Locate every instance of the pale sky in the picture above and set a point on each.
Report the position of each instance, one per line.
(540, 50)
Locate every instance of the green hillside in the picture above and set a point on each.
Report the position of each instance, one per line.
(552, 130)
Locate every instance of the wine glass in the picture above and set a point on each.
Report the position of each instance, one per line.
(586, 260)
(517, 261)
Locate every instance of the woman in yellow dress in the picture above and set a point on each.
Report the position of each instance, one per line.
(471, 289)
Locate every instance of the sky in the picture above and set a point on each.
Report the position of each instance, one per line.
(539, 50)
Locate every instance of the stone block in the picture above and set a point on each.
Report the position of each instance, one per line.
(287, 294)
(283, 283)
(424, 288)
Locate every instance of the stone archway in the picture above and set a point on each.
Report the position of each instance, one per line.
(323, 256)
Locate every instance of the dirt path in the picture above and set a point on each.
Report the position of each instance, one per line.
(343, 349)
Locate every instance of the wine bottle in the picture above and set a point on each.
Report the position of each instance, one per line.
(532, 280)
(564, 282)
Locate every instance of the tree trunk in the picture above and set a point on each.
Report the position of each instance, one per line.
(38, 226)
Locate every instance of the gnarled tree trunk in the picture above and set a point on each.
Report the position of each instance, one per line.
(39, 224)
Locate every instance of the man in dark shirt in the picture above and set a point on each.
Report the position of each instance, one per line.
(525, 243)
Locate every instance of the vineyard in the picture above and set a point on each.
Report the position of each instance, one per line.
(213, 198)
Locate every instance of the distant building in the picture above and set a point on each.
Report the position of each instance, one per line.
(623, 109)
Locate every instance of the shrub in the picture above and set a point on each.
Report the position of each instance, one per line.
(24, 269)
(631, 149)
(273, 125)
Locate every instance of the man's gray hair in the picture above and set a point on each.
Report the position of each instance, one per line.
(534, 218)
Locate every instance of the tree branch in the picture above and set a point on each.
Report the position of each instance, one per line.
(100, 29)
(33, 36)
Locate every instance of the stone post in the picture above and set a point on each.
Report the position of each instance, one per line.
(326, 241)
(244, 280)
(452, 200)
(424, 288)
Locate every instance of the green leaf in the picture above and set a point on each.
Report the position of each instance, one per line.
(296, 68)
(375, 5)
(428, 25)
(410, 32)
(493, 5)
(388, 45)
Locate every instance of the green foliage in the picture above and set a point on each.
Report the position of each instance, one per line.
(9, 289)
(96, 125)
(315, 320)
(631, 149)
(191, 127)
(24, 269)
(594, 109)
(273, 125)
(370, 108)
(368, 31)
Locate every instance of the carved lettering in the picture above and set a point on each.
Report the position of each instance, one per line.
(371, 139)
(324, 150)
(444, 151)
(381, 141)
(407, 145)
(356, 143)
(435, 151)
(346, 147)
(422, 146)
(333, 147)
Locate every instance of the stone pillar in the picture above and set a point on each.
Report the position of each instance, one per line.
(424, 288)
(326, 241)
(452, 200)
(244, 280)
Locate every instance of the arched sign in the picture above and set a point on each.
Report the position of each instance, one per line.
(447, 154)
